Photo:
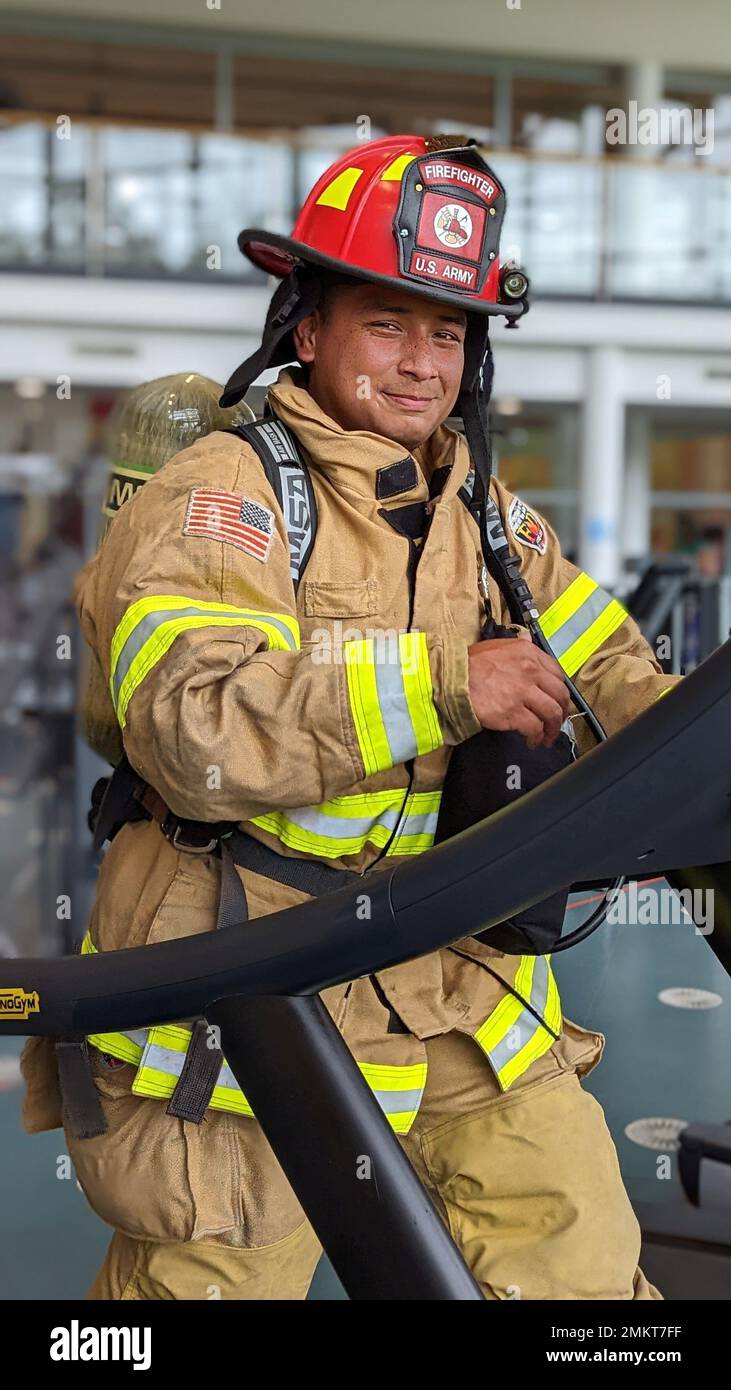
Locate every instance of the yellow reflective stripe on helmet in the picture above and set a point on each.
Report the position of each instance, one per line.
(346, 824)
(338, 191)
(512, 1037)
(396, 169)
(149, 628)
(579, 622)
(391, 700)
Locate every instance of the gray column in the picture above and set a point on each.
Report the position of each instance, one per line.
(566, 468)
(634, 193)
(503, 109)
(224, 90)
(637, 484)
(600, 484)
(644, 85)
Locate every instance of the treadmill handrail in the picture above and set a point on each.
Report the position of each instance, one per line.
(654, 797)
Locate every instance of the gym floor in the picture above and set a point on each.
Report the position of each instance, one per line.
(660, 1062)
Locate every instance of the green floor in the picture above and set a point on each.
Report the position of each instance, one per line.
(659, 1061)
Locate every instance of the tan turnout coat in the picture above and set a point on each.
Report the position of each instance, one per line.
(323, 721)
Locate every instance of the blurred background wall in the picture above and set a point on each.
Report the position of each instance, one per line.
(135, 142)
(132, 152)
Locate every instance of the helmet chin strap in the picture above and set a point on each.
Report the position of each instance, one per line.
(474, 400)
(294, 299)
(501, 563)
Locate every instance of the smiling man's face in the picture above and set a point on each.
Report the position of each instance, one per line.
(383, 360)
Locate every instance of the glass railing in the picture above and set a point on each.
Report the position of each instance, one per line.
(127, 201)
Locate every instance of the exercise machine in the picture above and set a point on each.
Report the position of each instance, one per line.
(654, 799)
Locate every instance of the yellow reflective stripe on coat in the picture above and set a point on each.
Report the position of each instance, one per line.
(162, 1062)
(128, 1047)
(579, 622)
(149, 628)
(391, 699)
(159, 1053)
(398, 1090)
(512, 1037)
(346, 824)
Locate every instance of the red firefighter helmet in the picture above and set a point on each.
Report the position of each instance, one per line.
(419, 212)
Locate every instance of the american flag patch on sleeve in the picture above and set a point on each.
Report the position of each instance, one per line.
(234, 520)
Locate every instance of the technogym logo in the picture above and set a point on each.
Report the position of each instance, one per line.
(17, 1003)
(77, 1343)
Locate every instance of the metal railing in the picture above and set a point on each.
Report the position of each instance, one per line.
(98, 198)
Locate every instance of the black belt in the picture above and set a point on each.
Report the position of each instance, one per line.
(126, 796)
(203, 837)
(305, 874)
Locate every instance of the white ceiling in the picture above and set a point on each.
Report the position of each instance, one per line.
(597, 31)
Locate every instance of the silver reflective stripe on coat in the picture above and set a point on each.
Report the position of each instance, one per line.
(525, 1024)
(580, 621)
(147, 626)
(344, 826)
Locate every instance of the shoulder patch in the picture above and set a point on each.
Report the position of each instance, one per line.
(527, 527)
(232, 519)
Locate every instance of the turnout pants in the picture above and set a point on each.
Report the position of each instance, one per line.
(528, 1183)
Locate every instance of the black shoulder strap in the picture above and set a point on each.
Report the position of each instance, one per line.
(501, 563)
(466, 494)
(471, 496)
(279, 453)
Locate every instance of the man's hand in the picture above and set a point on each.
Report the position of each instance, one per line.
(515, 685)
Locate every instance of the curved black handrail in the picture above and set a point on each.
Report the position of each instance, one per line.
(655, 797)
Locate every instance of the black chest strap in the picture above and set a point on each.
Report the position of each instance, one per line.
(279, 453)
